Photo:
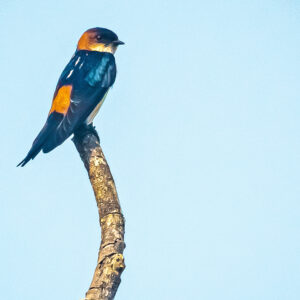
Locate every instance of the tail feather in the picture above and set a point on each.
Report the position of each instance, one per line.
(34, 151)
(52, 123)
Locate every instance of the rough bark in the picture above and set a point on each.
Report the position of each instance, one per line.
(110, 263)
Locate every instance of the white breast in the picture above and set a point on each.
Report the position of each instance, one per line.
(93, 114)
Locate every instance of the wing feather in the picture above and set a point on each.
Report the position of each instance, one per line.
(90, 82)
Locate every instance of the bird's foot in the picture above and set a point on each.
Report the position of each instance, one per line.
(84, 130)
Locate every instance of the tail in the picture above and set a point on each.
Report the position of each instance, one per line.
(34, 151)
(51, 125)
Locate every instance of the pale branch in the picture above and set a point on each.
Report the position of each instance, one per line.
(110, 263)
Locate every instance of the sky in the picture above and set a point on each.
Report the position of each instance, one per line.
(201, 132)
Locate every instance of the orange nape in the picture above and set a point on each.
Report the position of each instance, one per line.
(88, 41)
(84, 41)
(62, 100)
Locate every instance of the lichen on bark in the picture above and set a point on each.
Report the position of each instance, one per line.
(110, 263)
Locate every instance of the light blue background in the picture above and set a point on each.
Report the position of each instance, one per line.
(201, 131)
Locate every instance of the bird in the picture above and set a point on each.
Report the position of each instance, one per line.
(80, 91)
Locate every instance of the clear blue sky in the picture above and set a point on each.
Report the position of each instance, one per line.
(201, 131)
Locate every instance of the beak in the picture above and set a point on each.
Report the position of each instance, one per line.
(118, 43)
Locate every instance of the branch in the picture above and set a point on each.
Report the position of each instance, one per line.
(110, 264)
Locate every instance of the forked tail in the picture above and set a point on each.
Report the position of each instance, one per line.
(49, 128)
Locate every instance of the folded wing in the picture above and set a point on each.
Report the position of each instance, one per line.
(81, 86)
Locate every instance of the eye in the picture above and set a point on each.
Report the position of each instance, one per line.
(98, 37)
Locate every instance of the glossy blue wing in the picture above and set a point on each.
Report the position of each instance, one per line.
(90, 74)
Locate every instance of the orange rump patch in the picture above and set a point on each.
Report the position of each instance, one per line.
(62, 100)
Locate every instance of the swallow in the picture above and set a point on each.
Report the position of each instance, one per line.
(80, 91)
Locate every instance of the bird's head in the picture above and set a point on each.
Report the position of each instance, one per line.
(99, 39)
